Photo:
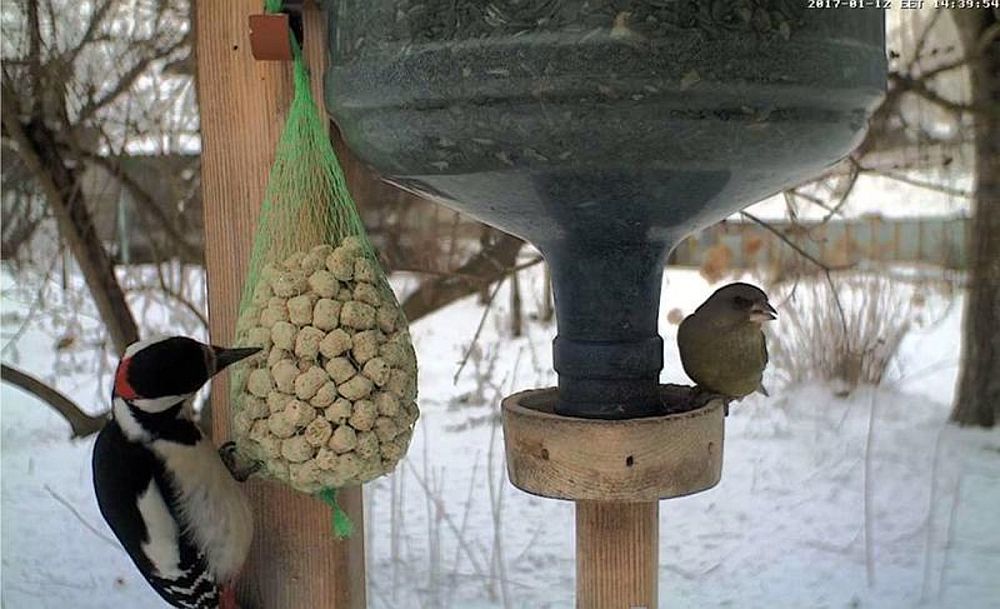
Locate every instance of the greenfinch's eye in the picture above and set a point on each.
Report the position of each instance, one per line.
(741, 303)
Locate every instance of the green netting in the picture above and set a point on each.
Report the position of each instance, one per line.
(330, 401)
(342, 526)
(307, 201)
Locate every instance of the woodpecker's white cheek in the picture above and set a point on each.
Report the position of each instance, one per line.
(154, 405)
(161, 548)
(142, 344)
(130, 427)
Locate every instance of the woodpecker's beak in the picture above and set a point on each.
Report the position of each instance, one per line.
(227, 357)
(761, 312)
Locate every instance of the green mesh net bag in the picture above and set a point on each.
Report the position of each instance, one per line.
(330, 400)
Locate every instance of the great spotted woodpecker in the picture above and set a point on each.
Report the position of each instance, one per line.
(168, 495)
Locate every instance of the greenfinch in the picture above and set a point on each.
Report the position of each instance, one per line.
(722, 345)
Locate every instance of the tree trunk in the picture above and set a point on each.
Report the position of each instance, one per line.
(60, 186)
(490, 264)
(978, 396)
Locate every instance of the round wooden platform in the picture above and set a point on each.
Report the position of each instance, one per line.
(630, 460)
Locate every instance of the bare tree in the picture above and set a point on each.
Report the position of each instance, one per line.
(978, 398)
(86, 88)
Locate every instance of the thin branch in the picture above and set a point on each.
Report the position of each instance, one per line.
(129, 78)
(931, 512)
(955, 192)
(825, 267)
(798, 249)
(72, 510)
(448, 520)
(922, 41)
(149, 205)
(869, 508)
(479, 330)
(35, 304)
(34, 57)
(96, 18)
(920, 88)
(948, 67)
(82, 424)
(798, 194)
(852, 179)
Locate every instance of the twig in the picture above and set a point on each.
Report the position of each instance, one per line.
(922, 41)
(129, 78)
(79, 516)
(178, 295)
(826, 268)
(798, 249)
(465, 523)
(30, 317)
(496, 509)
(796, 193)
(35, 56)
(869, 508)
(82, 424)
(377, 589)
(947, 67)
(955, 192)
(929, 543)
(852, 179)
(479, 330)
(149, 205)
(952, 519)
(922, 89)
(439, 504)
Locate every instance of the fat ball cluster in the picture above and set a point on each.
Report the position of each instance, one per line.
(330, 399)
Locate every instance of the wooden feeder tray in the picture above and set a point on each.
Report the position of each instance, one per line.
(630, 460)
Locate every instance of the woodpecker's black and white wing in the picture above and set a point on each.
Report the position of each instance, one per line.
(136, 499)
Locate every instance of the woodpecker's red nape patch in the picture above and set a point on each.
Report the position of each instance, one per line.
(122, 387)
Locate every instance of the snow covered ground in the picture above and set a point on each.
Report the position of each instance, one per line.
(786, 527)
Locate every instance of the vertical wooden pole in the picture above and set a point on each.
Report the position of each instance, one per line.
(617, 555)
(295, 562)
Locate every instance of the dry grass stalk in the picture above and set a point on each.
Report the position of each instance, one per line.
(814, 343)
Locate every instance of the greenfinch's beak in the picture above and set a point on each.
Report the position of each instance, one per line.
(762, 312)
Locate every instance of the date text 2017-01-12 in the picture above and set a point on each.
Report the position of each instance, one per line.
(904, 4)
(879, 4)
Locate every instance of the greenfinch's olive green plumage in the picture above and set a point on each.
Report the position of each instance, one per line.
(721, 344)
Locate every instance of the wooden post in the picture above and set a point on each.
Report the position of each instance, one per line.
(617, 555)
(616, 471)
(295, 561)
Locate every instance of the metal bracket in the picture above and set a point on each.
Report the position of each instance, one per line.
(270, 34)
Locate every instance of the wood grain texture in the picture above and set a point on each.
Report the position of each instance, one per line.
(630, 460)
(295, 562)
(617, 555)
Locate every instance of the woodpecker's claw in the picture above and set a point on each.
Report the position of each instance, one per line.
(239, 466)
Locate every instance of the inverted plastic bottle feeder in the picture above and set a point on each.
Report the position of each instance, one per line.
(604, 132)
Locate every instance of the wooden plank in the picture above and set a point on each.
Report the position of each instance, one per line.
(617, 555)
(295, 561)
